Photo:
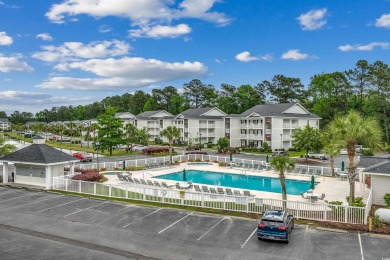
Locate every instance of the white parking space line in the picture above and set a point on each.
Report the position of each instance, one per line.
(361, 247)
(211, 229)
(176, 222)
(85, 209)
(60, 205)
(249, 237)
(37, 201)
(20, 197)
(9, 191)
(142, 217)
(307, 227)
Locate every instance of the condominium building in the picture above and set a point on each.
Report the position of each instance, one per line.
(5, 125)
(271, 123)
(155, 122)
(200, 124)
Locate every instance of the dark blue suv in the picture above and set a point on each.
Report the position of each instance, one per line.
(275, 225)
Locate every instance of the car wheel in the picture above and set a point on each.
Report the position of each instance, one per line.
(287, 241)
(259, 238)
(90, 160)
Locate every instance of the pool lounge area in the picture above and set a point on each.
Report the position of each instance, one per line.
(334, 188)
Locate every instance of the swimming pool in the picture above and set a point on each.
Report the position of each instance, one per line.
(248, 182)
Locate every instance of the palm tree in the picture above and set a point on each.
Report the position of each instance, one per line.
(282, 164)
(71, 125)
(80, 129)
(331, 146)
(88, 129)
(171, 132)
(60, 129)
(351, 129)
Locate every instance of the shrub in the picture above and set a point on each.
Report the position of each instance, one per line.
(207, 160)
(377, 222)
(87, 176)
(196, 152)
(135, 168)
(358, 202)
(176, 161)
(366, 152)
(386, 197)
(75, 141)
(221, 163)
(103, 169)
(154, 150)
(292, 149)
(102, 178)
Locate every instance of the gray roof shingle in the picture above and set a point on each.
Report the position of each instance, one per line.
(375, 164)
(38, 153)
(273, 110)
(150, 115)
(198, 112)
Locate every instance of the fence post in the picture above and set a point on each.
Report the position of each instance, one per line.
(143, 194)
(346, 214)
(94, 188)
(109, 191)
(127, 192)
(325, 213)
(79, 186)
(202, 200)
(66, 184)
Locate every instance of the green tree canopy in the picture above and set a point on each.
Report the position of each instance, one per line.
(307, 139)
(171, 133)
(109, 130)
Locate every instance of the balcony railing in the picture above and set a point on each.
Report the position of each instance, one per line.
(268, 131)
(251, 126)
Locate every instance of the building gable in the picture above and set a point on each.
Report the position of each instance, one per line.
(214, 112)
(296, 109)
(162, 114)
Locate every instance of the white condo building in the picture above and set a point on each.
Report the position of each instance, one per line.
(271, 123)
(155, 122)
(5, 125)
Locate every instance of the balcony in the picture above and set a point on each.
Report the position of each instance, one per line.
(203, 126)
(287, 137)
(153, 125)
(268, 131)
(251, 126)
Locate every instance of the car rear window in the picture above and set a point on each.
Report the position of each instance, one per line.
(273, 220)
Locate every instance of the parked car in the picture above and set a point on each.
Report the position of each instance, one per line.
(320, 156)
(139, 148)
(343, 152)
(276, 153)
(63, 140)
(275, 225)
(83, 156)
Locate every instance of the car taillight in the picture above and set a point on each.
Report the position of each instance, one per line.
(261, 226)
(282, 228)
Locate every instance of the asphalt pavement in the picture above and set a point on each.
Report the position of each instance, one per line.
(44, 225)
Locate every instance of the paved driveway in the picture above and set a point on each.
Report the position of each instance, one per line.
(42, 225)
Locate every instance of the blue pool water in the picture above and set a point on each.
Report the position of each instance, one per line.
(247, 182)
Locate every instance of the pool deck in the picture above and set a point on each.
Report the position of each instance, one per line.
(334, 188)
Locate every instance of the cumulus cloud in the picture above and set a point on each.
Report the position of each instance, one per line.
(10, 64)
(313, 20)
(123, 73)
(294, 55)
(44, 36)
(383, 21)
(367, 47)
(78, 50)
(15, 98)
(245, 57)
(161, 31)
(5, 39)
(149, 13)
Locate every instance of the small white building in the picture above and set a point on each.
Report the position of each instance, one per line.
(378, 168)
(271, 123)
(37, 164)
(5, 125)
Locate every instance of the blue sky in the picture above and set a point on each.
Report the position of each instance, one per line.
(71, 52)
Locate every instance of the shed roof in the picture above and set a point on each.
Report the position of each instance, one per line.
(38, 154)
(375, 165)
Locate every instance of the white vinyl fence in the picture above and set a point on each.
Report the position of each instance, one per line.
(301, 210)
(299, 169)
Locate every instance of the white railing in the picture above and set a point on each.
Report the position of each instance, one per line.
(299, 169)
(301, 210)
(268, 131)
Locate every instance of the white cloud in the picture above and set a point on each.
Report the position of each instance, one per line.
(124, 73)
(10, 64)
(267, 57)
(44, 36)
(383, 21)
(104, 28)
(161, 31)
(78, 50)
(367, 47)
(313, 20)
(150, 13)
(5, 39)
(245, 57)
(15, 98)
(294, 55)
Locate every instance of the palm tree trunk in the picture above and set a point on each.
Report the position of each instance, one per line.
(282, 179)
(332, 165)
(81, 138)
(351, 173)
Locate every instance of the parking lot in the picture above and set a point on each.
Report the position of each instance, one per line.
(44, 225)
